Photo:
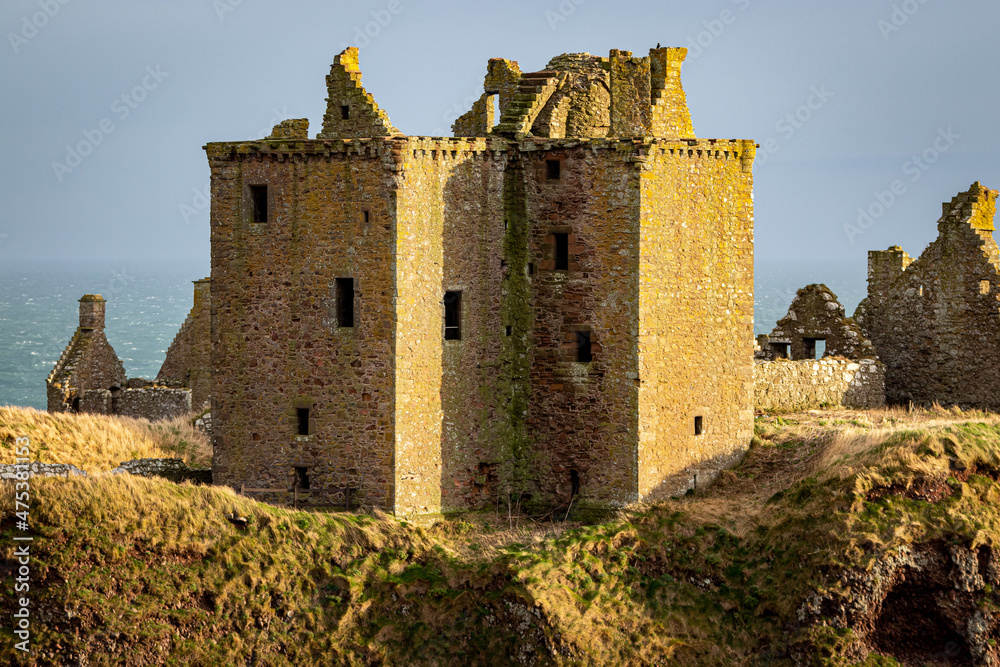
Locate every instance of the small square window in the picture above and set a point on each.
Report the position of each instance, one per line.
(698, 425)
(302, 417)
(552, 170)
(453, 316)
(258, 200)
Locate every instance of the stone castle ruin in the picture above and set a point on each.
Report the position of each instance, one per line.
(90, 378)
(555, 304)
(816, 357)
(935, 320)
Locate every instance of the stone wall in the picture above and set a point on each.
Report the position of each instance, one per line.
(188, 362)
(88, 362)
(658, 277)
(277, 344)
(785, 385)
(935, 321)
(815, 315)
(153, 403)
(15, 471)
(173, 469)
(695, 345)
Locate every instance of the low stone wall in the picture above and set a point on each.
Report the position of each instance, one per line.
(37, 469)
(173, 469)
(154, 403)
(806, 384)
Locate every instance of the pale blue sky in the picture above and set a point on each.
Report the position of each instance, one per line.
(886, 81)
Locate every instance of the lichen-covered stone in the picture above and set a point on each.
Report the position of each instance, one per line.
(659, 274)
(822, 383)
(188, 363)
(935, 320)
(815, 314)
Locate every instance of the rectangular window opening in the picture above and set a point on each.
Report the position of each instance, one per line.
(814, 348)
(366, 216)
(510, 330)
(302, 416)
(780, 350)
(302, 477)
(552, 170)
(531, 268)
(698, 425)
(494, 102)
(574, 483)
(453, 316)
(561, 242)
(258, 198)
(345, 112)
(583, 351)
(345, 302)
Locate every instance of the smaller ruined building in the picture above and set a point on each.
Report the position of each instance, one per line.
(816, 357)
(188, 363)
(89, 376)
(935, 320)
(814, 327)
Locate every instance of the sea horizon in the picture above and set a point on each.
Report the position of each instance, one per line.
(147, 301)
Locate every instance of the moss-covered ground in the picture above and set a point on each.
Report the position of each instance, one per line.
(130, 571)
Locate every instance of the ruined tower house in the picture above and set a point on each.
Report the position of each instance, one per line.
(935, 320)
(556, 303)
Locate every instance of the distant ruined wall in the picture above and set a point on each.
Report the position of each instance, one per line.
(188, 362)
(935, 320)
(802, 385)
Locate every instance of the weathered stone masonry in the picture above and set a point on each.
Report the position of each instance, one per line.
(89, 376)
(790, 372)
(598, 289)
(935, 320)
(188, 362)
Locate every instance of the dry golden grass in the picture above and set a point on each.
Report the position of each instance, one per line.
(98, 443)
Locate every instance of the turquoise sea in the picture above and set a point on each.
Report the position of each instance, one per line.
(148, 301)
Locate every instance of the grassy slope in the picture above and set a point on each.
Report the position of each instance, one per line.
(134, 571)
(98, 443)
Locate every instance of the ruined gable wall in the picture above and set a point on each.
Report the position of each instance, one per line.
(695, 295)
(816, 313)
(581, 415)
(188, 361)
(936, 324)
(275, 342)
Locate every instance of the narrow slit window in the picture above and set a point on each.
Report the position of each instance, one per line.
(366, 216)
(583, 351)
(302, 417)
(561, 243)
(510, 330)
(552, 170)
(345, 302)
(574, 483)
(258, 198)
(531, 268)
(453, 316)
(302, 477)
(345, 112)
(699, 425)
